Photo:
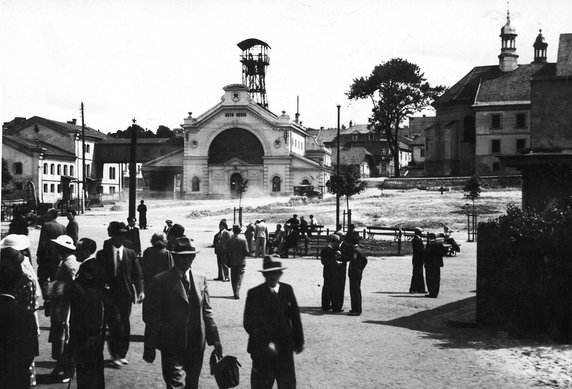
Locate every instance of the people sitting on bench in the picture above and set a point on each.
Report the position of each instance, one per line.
(447, 239)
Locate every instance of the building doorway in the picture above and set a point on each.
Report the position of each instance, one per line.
(235, 181)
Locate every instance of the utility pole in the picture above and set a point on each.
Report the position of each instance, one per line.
(83, 159)
(133, 170)
(338, 176)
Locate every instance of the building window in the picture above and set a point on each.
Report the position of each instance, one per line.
(355, 137)
(371, 136)
(496, 166)
(469, 129)
(18, 168)
(52, 188)
(45, 168)
(276, 183)
(496, 121)
(72, 189)
(112, 173)
(52, 169)
(422, 153)
(59, 169)
(520, 120)
(111, 190)
(87, 148)
(59, 188)
(65, 170)
(71, 170)
(99, 189)
(88, 170)
(195, 184)
(520, 144)
(495, 146)
(45, 188)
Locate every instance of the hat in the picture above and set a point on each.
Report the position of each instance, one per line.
(418, 229)
(17, 242)
(236, 228)
(334, 238)
(168, 221)
(64, 241)
(184, 245)
(269, 265)
(117, 227)
(11, 256)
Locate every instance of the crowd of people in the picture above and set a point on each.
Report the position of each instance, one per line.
(88, 296)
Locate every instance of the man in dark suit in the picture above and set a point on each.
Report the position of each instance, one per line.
(357, 263)
(18, 330)
(272, 320)
(179, 320)
(417, 280)
(133, 235)
(47, 257)
(433, 263)
(124, 279)
(219, 242)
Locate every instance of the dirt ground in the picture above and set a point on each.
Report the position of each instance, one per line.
(400, 341)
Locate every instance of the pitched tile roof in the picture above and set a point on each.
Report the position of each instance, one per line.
(28, 146)
(60, 126)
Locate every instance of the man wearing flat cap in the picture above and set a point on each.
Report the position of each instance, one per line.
(124, 279)
(179, 320)
(272, 320)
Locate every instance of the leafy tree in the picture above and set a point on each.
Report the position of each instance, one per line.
(349, 182)
(165, 132)
(6, 175)
(473, 188)
(397, 89)
(141, 133)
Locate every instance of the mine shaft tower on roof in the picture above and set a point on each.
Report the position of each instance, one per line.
(255, 60)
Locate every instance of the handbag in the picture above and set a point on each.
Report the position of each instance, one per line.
(225, 370)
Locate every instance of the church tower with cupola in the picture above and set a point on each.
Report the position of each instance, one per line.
(540, 46)
(508, 57)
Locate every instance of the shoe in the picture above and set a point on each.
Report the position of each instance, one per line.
(117, 363)
(226, 280)
(65, 380)
(337, 310)
(325, 309)
(217, 279)
(351, 313)
(236, 297)
(124, 361)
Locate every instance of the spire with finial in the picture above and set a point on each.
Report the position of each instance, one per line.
(508, 57)
(540, 46)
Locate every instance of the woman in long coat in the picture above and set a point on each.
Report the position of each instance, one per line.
(60, 307)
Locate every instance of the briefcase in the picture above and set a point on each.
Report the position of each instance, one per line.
(225, 370)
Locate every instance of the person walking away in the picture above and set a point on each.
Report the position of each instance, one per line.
(237, 251)
(142, 209)
(47, 256)
(124, 286)
(219, 243)
(331, 260)
(417, 279)
(156, 259)
(133, 235)
(272, 321)
(18, 329)
(434, 253)
(261, 237)
(72, 229)
(179, 320)
(249, 235)
(357, 264)
(87, 324)
(59, 317)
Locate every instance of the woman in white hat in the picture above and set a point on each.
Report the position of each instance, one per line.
(60, 307)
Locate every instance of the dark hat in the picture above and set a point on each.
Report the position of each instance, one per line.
(117, 227)
(177, 230)
(168, 221)
(431, 236)
(269, 265)
(236, 228)
(184, 246)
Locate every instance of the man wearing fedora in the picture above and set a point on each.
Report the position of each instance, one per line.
(272, 320)
(237, 251)
(124, 286)
(179, 320)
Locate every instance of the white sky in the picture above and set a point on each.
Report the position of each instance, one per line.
(156, 60)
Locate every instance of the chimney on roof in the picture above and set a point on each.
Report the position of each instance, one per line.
(73, 121)
(564, 62)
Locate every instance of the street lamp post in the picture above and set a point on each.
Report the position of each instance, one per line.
(338, 176)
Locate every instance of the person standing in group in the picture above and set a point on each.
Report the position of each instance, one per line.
(175, 232)
(46, 256)
(18, 329)
(237, 252)
(168, 225)
(433, 258)
(19, 223)
(179, 320)
(357, 263)
(417, 279)
(219, 242)
(312, 225)
(124, 279)
(87, 324)
(272, 321)
(156, 259)
(249, 236)
(72, 229)
(334, 275)
(59, 316)
(261, 237)
(294, 223)
(133, 235)
(142, 209)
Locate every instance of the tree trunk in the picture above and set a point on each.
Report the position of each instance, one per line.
(396, 162)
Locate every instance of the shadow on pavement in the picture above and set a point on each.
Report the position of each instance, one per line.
(315, 311)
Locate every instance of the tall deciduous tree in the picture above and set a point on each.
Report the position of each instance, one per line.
(397, 89)
(6, 175)
(349, 182)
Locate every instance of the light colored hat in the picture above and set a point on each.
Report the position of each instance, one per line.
(418, 229)
(269, 264)
(64, 241)
(184, 246)
(17, 242)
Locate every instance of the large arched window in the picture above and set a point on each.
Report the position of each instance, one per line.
(305, 182)
(276, 183)
(195, 184)
(71, 170)
(59, 169)
(65, 170)
(236, 143)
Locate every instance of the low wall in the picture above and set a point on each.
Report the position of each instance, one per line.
(434, 183)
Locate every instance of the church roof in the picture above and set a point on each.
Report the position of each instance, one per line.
(488, 85)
